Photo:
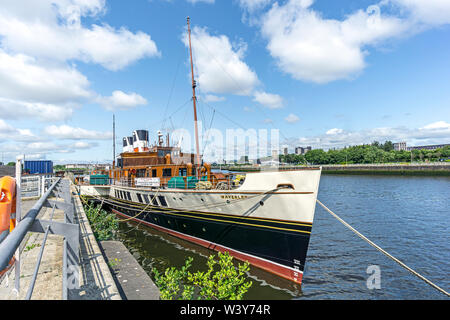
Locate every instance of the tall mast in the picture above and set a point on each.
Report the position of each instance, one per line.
(194, 98)
(114, 141)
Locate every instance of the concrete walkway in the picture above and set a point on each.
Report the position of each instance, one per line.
(95, 279)
(48, 284)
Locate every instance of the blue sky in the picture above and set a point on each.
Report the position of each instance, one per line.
(325, 73)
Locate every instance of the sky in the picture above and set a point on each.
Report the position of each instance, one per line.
(326, 74)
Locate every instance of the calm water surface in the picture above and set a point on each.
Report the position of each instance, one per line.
(407, 216)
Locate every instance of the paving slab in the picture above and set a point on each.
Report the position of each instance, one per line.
(131, 279)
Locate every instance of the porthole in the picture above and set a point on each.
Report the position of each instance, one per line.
(204, 229)
(184, 225)
(261, 203)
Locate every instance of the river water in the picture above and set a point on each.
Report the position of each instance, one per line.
(407, 216)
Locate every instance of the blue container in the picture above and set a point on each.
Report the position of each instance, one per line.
(38, 166)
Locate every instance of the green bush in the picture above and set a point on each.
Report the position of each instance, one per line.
(103, 224)
(222, 281)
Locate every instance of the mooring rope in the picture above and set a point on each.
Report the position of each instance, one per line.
(384, 251)
(131, 218)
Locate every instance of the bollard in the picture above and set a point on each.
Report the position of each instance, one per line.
(7, 211)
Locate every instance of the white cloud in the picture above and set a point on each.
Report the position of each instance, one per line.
(312, 48)
(334, 131)
(439, 125)
(213, 98)
(16, 110)
(22, 78)
(43, 149)
(5, 128)
(39, 41)
(120, 100)
(55, 32)
(292, 118)
(252, 5)
(71, 133)
(433, 133)
(430, 12)
(82, 145)
(219, 66)
(272, 101)
(8, 133)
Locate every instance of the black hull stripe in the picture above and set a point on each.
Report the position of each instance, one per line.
(224, 218)
(285, 248)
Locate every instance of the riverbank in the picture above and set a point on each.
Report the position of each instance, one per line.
(416, 169)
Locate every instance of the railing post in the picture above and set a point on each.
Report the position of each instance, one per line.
(18, 217)
(43, 186)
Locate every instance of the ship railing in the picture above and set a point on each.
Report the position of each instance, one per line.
(12, 245)
(32, 186)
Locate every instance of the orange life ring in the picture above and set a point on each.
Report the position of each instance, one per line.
(7, 206)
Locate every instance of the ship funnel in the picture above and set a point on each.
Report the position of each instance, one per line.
(127, 144)
(140, 140)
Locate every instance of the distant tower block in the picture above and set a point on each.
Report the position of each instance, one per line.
(140, 140)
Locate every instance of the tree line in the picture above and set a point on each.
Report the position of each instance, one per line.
(368, 153)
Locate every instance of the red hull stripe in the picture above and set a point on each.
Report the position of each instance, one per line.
(272, 267)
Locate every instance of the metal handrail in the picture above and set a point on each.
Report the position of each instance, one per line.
(9, 246)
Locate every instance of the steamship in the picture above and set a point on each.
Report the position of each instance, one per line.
(264, 218)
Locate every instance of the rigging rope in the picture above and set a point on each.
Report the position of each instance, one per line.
(383, 251)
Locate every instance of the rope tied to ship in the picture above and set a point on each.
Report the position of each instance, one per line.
(415, 273)
(140, 212)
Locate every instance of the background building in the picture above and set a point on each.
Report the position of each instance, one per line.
(429, 147)
(399, 146)
(301, 150)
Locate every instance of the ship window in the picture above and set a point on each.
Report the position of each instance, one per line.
(167, 172)
(146, 198)
(129, 196)
(154, 173)
(162, 153)
(140, 173)
(193, 171)
(115, 193)
(139, 197)
(120, 194)
(182, 172)
(162, 200)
